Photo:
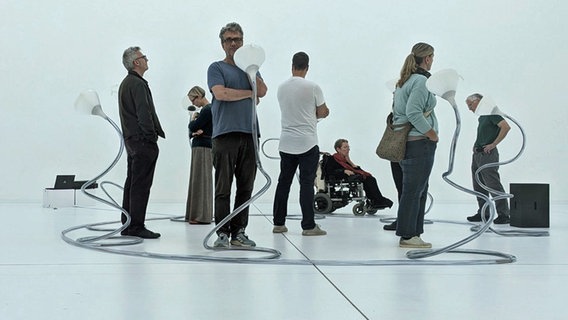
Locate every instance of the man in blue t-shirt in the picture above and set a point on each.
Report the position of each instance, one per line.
(233, 149)
(491, 130)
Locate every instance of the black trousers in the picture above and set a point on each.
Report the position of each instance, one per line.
(396, 171)
(141, 161)
(234, 157)
(289, 163)
(372, 190)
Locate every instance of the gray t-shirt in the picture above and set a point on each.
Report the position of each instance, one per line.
(230, 116)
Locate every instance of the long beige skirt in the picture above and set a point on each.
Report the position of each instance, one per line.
(199, 205)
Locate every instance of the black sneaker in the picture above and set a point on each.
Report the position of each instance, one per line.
(502, 219)
(144, 233)
(390, 227)
(381, 204)
(476, 218)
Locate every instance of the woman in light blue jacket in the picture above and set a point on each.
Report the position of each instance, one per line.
(415, 104)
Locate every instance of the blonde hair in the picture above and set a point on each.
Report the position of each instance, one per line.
(419, 51)
(196, 91)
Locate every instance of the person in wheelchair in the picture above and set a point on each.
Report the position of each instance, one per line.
(340, 167)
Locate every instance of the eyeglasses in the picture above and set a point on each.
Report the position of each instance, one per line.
(193, 98)
(236, 40)
(141, 57)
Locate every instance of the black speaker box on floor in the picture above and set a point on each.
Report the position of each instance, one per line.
(530, 206)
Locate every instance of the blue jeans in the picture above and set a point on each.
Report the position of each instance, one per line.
(416, 168)
(308, 162)
(234, 155)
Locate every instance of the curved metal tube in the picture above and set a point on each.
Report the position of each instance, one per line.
(264, 152)
(92, 241)
(504, 195)
(419, 254)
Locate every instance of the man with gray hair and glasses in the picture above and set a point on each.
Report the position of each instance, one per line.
(233, 148)
(140, 129)
(491, 130)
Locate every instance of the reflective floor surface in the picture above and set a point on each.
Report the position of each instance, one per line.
(357, 271)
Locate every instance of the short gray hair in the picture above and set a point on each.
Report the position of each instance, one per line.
(231, 26)
(474, 96)
(129, 56)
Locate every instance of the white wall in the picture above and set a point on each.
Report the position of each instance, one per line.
(50, 51)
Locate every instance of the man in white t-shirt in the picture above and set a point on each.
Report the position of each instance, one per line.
(301, 105)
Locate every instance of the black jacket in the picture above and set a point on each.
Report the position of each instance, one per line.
(205, 123)
(137, 113)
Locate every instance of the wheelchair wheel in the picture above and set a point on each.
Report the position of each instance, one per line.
(371, 211)
(322, 203)
(359, 209)
(369, 208)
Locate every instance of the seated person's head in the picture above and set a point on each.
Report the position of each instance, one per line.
(341, 146)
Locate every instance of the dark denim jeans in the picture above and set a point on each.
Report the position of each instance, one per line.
(234, 155)
(141, 163)
(308, 162)
(416, 168)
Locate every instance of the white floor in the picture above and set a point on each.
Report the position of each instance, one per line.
(43, 277)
